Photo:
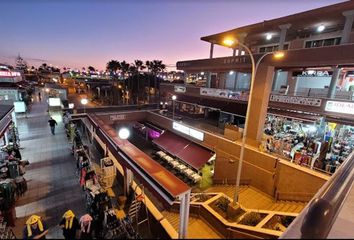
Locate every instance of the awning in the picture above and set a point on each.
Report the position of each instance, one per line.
(190, 153)
(195, 155)
(171, 143)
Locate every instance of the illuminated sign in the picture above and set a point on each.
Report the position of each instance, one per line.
(340, 107)
(20, 107)
(313, 73)
(54, 102)
(296, 100)
(188, 131)
(9, 74)
(181, 89)
(117, 117)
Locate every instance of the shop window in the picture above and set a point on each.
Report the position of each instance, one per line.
(272, 48)
(322, 42)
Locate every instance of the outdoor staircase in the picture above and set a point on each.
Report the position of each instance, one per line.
(197, 228)
(254, 199)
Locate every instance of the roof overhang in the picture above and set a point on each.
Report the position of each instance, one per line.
(302, 24)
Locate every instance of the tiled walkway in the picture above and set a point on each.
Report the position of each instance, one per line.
(52, 184)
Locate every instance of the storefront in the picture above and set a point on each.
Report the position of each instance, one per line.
(12, 169)
(316, 144)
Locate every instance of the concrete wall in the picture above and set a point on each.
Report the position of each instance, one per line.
(294, 182)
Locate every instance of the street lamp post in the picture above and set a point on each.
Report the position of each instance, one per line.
(84, 101)
(280, 54)
(174, 97)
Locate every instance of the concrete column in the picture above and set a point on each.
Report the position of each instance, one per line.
(283, 30)
(6, 138)
(184, 215)
(128, 176)
(211, 50)
(349, 16)
(292, 82)
(334, 81)
(208, 82)
(258, 110)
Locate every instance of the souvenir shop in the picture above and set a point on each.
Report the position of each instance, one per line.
(12, 183)
(95, 181)
(319, 145)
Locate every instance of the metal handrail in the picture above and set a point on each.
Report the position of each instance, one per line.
(318, 217)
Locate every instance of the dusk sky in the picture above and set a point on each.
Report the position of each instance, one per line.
(81, 33)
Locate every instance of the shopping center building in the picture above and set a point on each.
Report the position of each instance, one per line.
(308, 90)
(186, 154)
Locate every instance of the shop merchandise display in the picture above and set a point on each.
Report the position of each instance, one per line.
(98, 204)
(12, 183)
(322, 147)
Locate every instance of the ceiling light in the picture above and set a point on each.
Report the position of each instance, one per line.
(320, 28)
(269, 36)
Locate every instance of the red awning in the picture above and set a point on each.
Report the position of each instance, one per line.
(194, 155)
(190, 153)
(171, 143)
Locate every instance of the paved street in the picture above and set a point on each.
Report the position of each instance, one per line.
(53, 186)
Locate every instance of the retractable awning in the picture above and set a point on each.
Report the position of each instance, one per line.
(189, 152)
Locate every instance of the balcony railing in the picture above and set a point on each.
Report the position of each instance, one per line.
(318, 217)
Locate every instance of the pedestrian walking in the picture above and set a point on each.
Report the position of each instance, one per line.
(39, 96)
(35, 228)
(69, 224)
(52, 124)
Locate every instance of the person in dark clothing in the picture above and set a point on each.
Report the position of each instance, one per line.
(69, 224)
(52, 124)
(35, 228)
(39, 96)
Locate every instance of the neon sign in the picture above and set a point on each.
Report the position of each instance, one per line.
(9, 74)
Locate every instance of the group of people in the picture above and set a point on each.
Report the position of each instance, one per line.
(36, 228)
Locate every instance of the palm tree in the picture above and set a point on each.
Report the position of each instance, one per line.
(91, 69)
(124, 68)
(156, 66)
(139, 66)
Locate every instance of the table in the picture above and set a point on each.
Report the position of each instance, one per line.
(196, 178)
(168, 159)
(175, 164)
(160, 153)
(181, 167)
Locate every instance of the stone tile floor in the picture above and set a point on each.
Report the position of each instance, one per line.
(53, 186)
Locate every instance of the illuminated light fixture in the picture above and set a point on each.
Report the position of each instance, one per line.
(174, 97)
(320, 28)
(84, 101)
(231, 72)
(202, 73)
(124, 133)
(161, 103)
(47, 90)
(229, 42)
(278, 54)
(166, 103)
(269, 36)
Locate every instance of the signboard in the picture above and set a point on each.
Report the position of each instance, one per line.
(224, 93)
(20, 107)
(340, 107)
(188, 131)
(54, 102)
(316, 102)
(181, 89)
(117, 117)
(313, 73)
(9, 74)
